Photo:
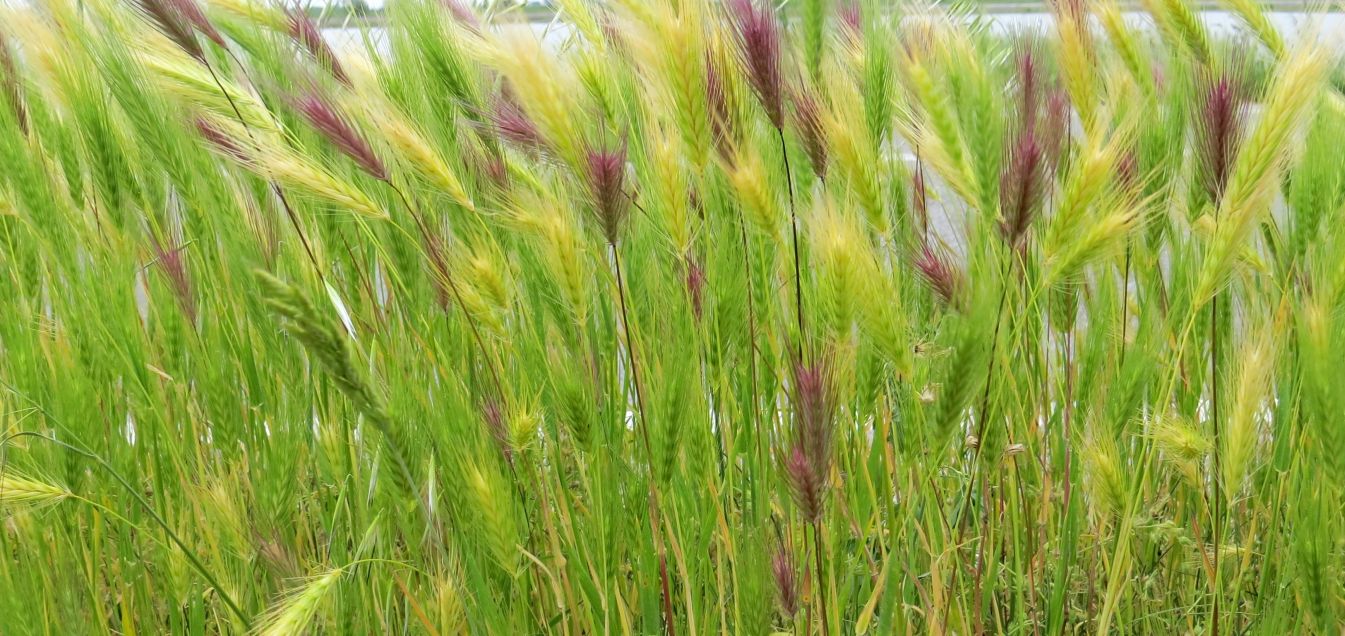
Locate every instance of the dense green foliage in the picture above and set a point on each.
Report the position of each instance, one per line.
(694, 318)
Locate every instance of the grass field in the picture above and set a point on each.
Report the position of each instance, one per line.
(707, 320)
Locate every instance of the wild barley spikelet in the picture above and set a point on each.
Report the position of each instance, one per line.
(167, 17)
(174, 267)
(325, 118)
(1223, 109)
(939, 273)
(759, 50)
(307, 35)
(220, 140)
(786, 581)
(294, 614)
(808, 466)
(606, 174)
(463, 13)
(496, 426)
(512, 124)
(722, 121)
(11, 83)
(20, 492)
(1022, 185)
(192, 14)
(805, 486)
(695, 282)
(851, 16)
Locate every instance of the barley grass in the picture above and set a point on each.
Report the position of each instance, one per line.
(818, 317)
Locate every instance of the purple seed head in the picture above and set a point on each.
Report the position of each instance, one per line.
(170, 21)
(1128, 172)
(805, 486)
(513, 124)
(307, 35)
(786, 582)
(174, 267)
(851, 16)
(1054, 126)
(606, 180)
(192, 14)
(814, 414)
(223, 142)
(1022, 184)
(696, 286)
(759, 47)
(942, 277)
(494, 419)
(1219, 131)
(920, 197)
(11, 84)
(1029, 85)
(327, 120)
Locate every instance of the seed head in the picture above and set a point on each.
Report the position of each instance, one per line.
(1022, 184)
(192, 14)
(326, 119)
(307, 35)
(804, 484)
(851, 16)
(721, 119)
(1219, 131)
(10, 84)
(168, 18)
(222, 141)
(513, 124)
(809, 463)
(174, 267)
(696, 286)
(940, 275)
(759, 48)
(462, 13)
(786, 583)
(606, 180)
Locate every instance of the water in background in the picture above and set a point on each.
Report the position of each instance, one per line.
(1290, 23)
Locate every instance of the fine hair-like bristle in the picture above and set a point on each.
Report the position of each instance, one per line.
(808, 112)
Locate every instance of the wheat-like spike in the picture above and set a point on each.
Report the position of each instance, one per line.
(18, 491)
(1239, 439)
(293, 614)
(270, 157)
